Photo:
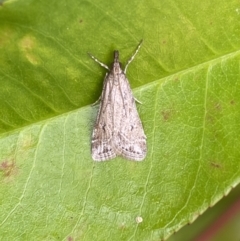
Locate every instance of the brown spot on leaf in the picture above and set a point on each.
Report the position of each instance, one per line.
(70, 238)
(80, 21)
(210, 118)
(166, 114)
(218, 106)
(215, 164)
(8, 167)
(232, 102)
(122, 226)
(176, 79)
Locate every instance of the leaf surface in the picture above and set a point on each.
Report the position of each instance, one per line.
(187, 77)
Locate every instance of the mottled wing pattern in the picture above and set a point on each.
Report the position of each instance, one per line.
(129, 137)
(102, 137)
(118, 129)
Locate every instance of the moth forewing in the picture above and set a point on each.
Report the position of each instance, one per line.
(118, 130)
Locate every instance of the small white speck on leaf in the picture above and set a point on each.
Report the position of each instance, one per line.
(139, 219)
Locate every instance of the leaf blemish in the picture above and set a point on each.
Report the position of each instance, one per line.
(218, 106)
(166, 114)
(27, 45)
(8, 167)
(216, 165)
(70, 238)
(139, 219)
(6, 35)
(176, 79)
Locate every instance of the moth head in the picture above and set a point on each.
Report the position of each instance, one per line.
(116, 66)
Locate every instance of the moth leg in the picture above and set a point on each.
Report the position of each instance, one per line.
(99, 62)
(139, 102)
(99, 99)
(133, 56)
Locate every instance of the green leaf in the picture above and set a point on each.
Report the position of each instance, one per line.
(187, 77)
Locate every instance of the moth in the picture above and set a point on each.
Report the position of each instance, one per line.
(118, 130)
